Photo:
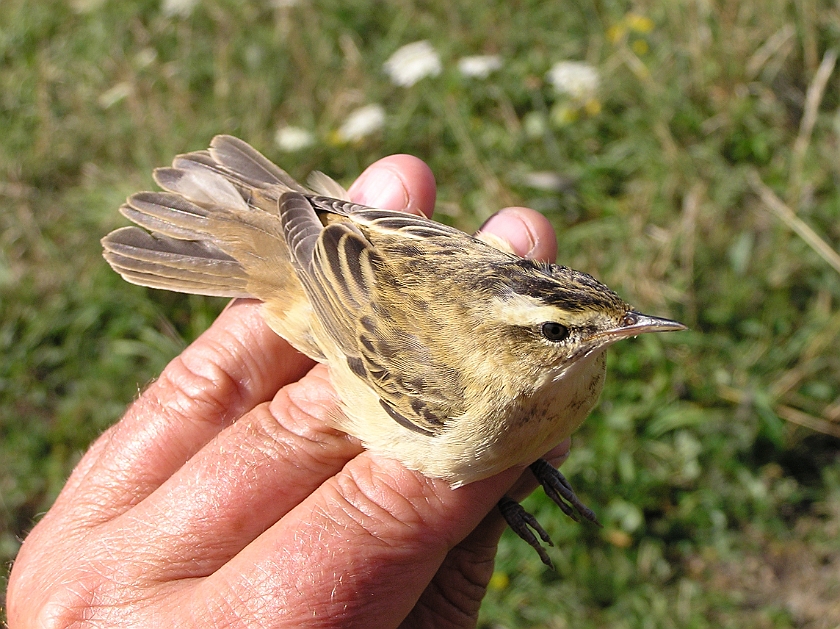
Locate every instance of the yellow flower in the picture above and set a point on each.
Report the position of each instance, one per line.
(592, 107)
(616, 33)
(633, 23)
(638, 23)
(499, 581)
(562, 114)
(618, 538)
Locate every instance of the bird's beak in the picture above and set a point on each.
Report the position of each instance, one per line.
(635, 323)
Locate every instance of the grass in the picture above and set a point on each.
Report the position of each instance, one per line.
(713, 456)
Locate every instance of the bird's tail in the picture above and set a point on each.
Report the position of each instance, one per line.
(215, 231)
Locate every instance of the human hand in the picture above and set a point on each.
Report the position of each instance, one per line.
(223, 497)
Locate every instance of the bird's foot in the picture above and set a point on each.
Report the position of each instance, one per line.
(561, 493)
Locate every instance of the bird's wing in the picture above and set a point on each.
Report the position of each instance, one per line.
(339, 268)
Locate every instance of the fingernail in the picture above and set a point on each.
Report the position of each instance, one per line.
(238, 301)
(510, 226)
(381, 188)
(557, 460)
(559, 453)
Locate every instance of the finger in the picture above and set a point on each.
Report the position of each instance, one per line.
(453, 598)
(397, 182)
(527, 482)
(370, 539)
(238, 485)
(528, 232)
(233, 366)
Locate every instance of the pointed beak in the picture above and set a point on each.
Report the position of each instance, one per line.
(635, 323)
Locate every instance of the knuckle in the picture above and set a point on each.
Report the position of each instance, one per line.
(37, 600)
(454, 596)
(200, 388)
(392, 505)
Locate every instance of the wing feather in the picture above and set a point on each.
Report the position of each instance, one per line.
(301, 229)
(338, 266)
(343, 259)
(401, 223)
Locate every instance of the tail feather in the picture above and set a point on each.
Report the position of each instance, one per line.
(167, 214)
(153, 280)
(201, 185)
(216, 230)
(248, 165)
(161, 262)
(327, 186)
(197, 244)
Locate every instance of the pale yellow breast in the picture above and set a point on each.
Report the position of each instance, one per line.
(488, 438)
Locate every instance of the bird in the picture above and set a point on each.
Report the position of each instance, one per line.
(448, 352)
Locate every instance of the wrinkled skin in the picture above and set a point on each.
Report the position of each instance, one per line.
(223, 499)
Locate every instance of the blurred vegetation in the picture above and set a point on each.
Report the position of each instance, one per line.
(712, 459)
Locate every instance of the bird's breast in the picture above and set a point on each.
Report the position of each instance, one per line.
(525, 428)
(559, 407)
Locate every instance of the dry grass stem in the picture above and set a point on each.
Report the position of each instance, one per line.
(807, 420)
(776, 42)
(813, 98)
(474, 162)
(788, 413)
(789, 217)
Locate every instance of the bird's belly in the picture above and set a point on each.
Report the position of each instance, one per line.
(480, 444)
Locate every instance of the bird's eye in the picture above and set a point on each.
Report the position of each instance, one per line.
(630, 319)
(554, 332)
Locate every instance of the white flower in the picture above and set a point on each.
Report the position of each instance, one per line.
(535, 124)
(413, 62)
(479, 66)
(178, 8)
(114, 95)
(361, 123)
(546, 180)
(86, 6)
(145, 57)
(291, 139)
(578, 80)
